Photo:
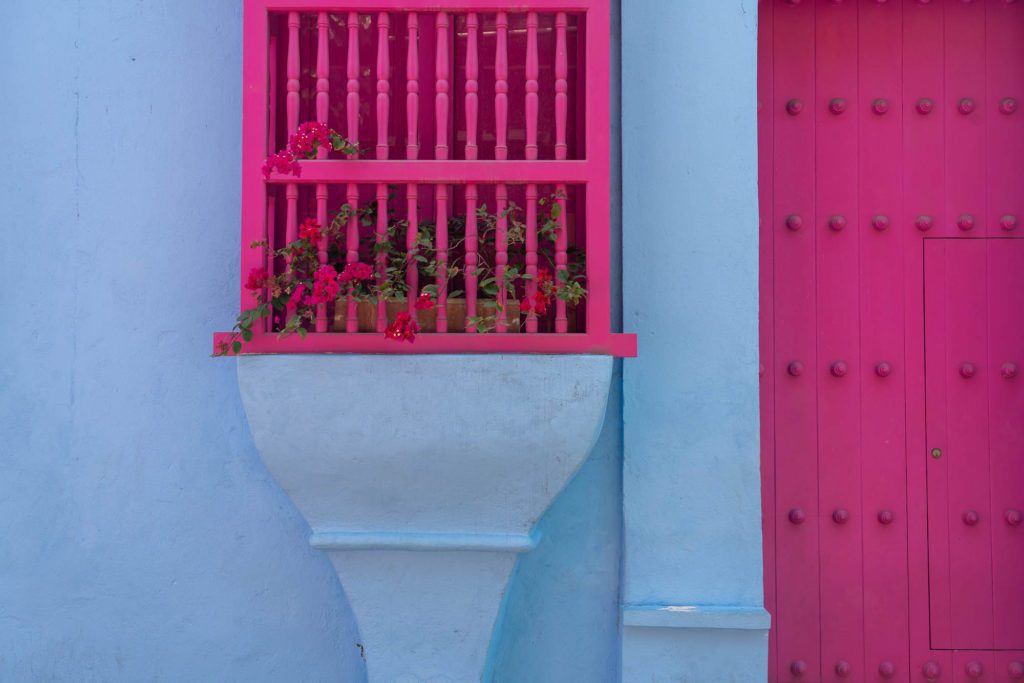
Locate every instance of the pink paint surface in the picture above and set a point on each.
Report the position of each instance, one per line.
(892, 291)
(513, 101)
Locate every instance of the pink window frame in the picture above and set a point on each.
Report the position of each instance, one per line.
(593, 171)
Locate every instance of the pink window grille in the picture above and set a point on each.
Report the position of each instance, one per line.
(455, 108)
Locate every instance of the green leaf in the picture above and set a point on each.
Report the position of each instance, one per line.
(236, 346)
(247, 334)
(556, 211)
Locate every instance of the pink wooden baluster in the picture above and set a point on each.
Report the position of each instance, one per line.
(472, 86)
(532, 105)
(531, 256)
(532, 99)
(441, 152)
(322, 108)
(412, 88)
(271, 212)
(561, 87)
(271, 148)
(501, 255)
(501, 153)
(292, 101)
(352, 191)
(383, 107)
(501, 88)
(471, 255)
(383, 83)
(561, 153)
(412, 151)
(412, 273)
(291, 192)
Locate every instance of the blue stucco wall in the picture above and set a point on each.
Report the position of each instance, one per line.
(691, 472)
(140, 536)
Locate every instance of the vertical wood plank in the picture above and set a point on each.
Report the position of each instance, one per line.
(561, 153)
(765, 191)
(472, 110)
(922, 216)
(883, 364)
(839, 371)
(383, 110)
(595, 198)
(1004, 208)
(441, 106)
(964, 103)
(967, 455)
(1006, 429)
(936, 360)
(796, 359)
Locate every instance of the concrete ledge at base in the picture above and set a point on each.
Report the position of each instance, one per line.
(696, 616)
(426, 541)
(694, 655)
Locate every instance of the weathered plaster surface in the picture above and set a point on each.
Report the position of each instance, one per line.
(691, 473)
(423, 476)
(141, 538)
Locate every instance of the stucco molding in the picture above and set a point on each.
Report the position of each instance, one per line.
(741, 617)
(397, 540)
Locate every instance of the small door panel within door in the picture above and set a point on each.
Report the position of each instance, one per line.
(974, 340)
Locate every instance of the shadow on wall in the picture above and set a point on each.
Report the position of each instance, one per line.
(561, 617)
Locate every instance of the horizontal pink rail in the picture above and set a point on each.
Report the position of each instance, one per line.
(619, 345)
(422, 6)
(436, 171)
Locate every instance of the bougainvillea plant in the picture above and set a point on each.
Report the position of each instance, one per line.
(305, 283)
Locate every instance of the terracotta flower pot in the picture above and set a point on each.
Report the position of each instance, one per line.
(366, 311)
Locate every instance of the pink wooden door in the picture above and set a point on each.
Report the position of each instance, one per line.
(892, 323)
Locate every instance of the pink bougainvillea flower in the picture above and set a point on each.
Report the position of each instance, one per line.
(296, 297)
(325, 286)
(403, 329)
(257, 278)
(424, 303)
(309, 230)
(308, 138)
(281, 162)
(356, 271)
(545, 289)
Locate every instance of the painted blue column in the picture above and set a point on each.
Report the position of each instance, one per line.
(692, 583)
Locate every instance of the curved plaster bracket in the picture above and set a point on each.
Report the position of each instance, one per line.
(390, 456)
